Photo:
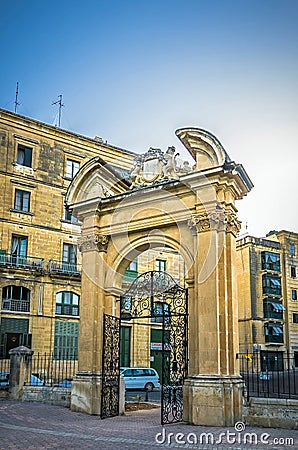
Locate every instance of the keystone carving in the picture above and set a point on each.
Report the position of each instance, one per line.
(94, 241)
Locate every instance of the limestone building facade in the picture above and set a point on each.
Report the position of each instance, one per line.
(40, 265)
(267, 292)
(40, 261)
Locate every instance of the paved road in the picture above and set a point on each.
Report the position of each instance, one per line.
(36, 426)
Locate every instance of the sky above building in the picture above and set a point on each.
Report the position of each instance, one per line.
(132, 72)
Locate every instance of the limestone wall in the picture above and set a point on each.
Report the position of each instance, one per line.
(272, 413)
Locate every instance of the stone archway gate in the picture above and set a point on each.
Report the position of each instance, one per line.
(190, 210)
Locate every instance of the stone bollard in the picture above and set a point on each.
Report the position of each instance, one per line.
(20, 370)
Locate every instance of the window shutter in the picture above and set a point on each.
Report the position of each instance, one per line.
(3, 338)
(14, 325)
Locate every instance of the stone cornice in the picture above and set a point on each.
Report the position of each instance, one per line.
(94, 241)
(215, 220)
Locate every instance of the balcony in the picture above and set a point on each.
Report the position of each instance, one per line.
(273, 310)
(271, 285)
(21, 262)
(275, 267)
(65, 268)
(270, 261)
(274, 339)
(269, 290)
(274, 333)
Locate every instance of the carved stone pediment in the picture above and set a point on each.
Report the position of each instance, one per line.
(95, 189)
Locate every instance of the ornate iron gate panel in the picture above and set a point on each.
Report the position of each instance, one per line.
(110, 367)
(174, 367)
(156, 295)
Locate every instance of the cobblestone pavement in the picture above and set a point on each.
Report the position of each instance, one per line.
(34, 426)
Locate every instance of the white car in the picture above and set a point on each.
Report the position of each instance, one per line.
(140, 378)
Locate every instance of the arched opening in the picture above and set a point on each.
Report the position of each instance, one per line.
(16, 298)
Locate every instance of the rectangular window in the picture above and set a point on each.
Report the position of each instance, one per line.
(270, 261)
(160, 265)
(69, 254)
(69, 217)
(125, 340)
(72, 167)
(273, 309)
(292, 249)
(19, 246)
(24, 156)
(274, 333)
(133, 266)
(295, 318)
(293, 272)
(294, 294)
(22, 200)
(131, 272)
(271, 285)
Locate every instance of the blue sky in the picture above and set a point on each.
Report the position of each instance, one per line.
(133, 72)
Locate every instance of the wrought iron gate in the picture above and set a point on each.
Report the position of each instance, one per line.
(110, 367)
(157, 296)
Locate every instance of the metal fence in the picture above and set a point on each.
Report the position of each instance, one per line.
(53, 371)
(276, 378)
(4, 365)
(46, 370)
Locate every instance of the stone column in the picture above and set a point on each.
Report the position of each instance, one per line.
(86, 388)
(213, 390)
(20, 370)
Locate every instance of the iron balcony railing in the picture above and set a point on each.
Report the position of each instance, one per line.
(274, 338)
(268, 290)
(21, 262)
(65, 268)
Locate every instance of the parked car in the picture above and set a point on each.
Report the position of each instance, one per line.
(140, 378)
(64, 383)
(34, 381)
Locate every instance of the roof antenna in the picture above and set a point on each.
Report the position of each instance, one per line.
(16, 103)
(60, 108)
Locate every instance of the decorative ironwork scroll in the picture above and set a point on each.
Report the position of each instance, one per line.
(174, 368)
(110, 367)
(151, 287)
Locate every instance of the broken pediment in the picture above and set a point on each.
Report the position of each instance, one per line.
(95, 180)
(204, 147)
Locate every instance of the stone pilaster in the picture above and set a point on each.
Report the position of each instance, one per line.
(87, 385)
(213, 390)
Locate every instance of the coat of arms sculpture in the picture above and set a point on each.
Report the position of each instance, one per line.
(156, 165)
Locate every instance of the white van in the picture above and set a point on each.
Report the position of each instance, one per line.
(140, 378)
